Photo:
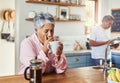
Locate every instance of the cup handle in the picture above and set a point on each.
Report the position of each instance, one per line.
(25, 74)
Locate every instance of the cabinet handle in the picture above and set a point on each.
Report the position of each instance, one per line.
(76, 59)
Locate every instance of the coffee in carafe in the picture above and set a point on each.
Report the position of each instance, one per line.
(35, 71)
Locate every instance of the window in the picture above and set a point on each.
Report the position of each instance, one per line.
(91, 14)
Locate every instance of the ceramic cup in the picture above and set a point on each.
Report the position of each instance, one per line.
(54, 45)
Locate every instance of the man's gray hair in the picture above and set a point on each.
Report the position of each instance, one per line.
(43, 18)
(107, 18)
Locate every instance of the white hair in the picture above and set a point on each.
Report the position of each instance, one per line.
(43, 18)
(107, 18)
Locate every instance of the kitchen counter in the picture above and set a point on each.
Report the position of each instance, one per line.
(117, 52)
(67, 53)
(74, 75)
(77, 52)
(83, 58)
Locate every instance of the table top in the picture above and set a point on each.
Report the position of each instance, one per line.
(73, 75)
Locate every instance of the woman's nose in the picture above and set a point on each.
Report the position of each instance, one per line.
(49, 33)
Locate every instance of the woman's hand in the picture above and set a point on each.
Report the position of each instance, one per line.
(46, 44)
(59, 50)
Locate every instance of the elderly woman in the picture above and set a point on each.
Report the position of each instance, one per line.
(37, 46)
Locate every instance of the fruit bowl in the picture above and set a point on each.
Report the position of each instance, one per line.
(113, 75)
(109, 81)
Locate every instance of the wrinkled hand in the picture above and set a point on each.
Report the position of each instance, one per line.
(46, 44)
(59, 50)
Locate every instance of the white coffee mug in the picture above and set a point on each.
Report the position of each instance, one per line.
(54, 45)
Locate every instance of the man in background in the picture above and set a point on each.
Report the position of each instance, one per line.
(99, 37)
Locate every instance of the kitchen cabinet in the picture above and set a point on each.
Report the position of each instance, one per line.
(76, 61)
(65, 4)
(116, 59)
(84, 59)
(79, 60)
(89, 60)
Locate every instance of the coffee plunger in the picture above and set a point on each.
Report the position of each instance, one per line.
(35, 71)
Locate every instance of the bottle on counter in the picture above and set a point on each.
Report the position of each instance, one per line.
(87, 44)
(110, 63)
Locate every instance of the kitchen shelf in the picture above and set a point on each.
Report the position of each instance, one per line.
(57, 20)
(56, 3)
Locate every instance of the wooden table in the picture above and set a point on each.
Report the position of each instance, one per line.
(74, 75)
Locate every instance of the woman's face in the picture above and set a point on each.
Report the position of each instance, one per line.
(45, 32)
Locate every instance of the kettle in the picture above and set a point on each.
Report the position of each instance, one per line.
(35, 70)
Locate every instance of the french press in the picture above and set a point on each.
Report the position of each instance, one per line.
(35, 71)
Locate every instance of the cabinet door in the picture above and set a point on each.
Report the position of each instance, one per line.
(89, 60)
(116, 60)
(82, 61)
(76, 61)
(73, 61)
(76, 65)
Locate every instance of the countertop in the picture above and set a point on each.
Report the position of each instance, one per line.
(87, 52)
(73, 75)
(77, 52)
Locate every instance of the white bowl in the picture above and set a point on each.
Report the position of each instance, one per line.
(109, 81)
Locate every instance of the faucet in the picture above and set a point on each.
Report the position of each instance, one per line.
(105, 67)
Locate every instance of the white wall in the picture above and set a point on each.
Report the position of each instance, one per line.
(7, 58)
(106, 6)
(103, 9)
(113, 4)
(4, 4)
(7, 49)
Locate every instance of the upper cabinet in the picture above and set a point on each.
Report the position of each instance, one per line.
(62, 11)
